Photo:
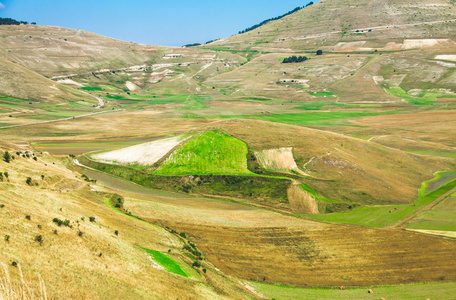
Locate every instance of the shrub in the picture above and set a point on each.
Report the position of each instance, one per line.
(80, 233)
(182, 234)
(7, 237)
(42, 177)
(39, 239)
(28, 217)
(6, 174)
(14, 264)
(2, 205)
(319, 52)
(39, 226)
(55, 231)
(60, 222)
(92, 219)
(196, 264)
(116, 232)
(28, 181)
(7, 157)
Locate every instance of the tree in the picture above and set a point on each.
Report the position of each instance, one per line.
(28, 181)
(7, 157)
(319, 52)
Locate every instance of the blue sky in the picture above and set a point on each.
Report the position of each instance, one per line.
(164, 22)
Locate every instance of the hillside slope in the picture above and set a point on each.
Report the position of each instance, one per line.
(52, 51)
(367, 23)
(342, 168)
(20, 82)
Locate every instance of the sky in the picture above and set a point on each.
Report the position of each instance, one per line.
(154, 22)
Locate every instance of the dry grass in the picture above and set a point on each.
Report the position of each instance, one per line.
(301, 201)
(10, 291)
(98, 264)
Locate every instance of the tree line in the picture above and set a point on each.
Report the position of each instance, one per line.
(274, 19)
(294, 59)
(9, 21)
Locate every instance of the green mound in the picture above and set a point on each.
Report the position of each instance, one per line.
(214, 152)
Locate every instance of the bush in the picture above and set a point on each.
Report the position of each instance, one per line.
(60, 222)
(7, 157)
(28, 217)
(7, 237)
(92, 219)
(28, 181)
(39, 239)
(14, 264)
(319, 52)
(182, 234)
(196, 264)
(116, 232)
(80, 233)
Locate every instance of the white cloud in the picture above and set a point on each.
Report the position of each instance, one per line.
(2, 6)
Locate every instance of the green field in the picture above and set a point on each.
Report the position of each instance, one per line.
(214, 152)
(89, 88)
(166, 262)
(440, 179)
(381, 216)
(434, 290)
(309, 118)
(440, 217)
(426, 97)
(193, 103)
(321, 94)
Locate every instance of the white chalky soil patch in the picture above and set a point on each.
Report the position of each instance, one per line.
(143, 154)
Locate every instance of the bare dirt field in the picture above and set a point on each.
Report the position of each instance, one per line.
(143, 154)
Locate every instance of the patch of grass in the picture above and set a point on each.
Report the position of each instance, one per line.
(166, 262)
(434, 290)
(319, 105)
(214, 152)
(440, 179)
(321, 94)
(382, 216)
(427, 97)
(193, 103)
(440, 217)
(89, 88)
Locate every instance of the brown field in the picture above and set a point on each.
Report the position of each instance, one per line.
(312, 254)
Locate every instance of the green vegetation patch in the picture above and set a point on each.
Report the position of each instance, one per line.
(214, 152)
(381, 216)
(166, 262)
(441, 178)
(434, 290)
(440, 217)
(319, 105)
(91, 88)
(193, 103)
(321, 94)
(426, 97)
(340, 117)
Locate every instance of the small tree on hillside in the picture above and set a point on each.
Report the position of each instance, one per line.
(319, 52)
(7, 157)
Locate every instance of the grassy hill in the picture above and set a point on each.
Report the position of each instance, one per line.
(364, 23)
(20, 82)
